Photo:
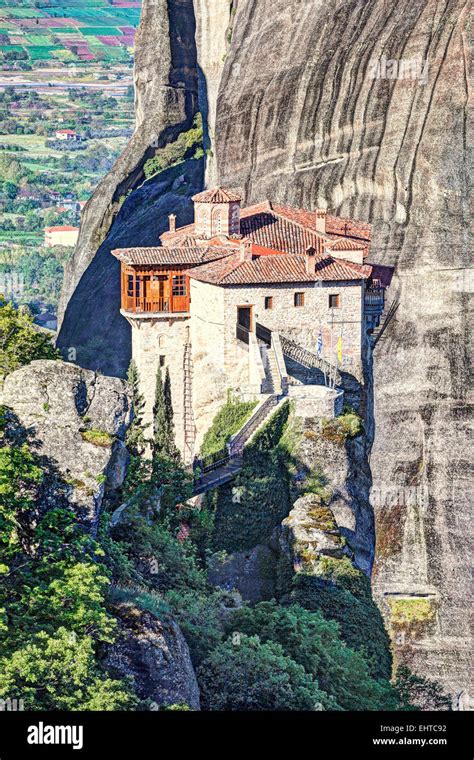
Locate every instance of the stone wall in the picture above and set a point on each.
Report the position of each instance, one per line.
(302, 324)
(154, 338)
(316, 401)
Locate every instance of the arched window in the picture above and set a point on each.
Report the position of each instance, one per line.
(216, 219)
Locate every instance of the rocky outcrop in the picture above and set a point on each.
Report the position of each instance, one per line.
(303, 117)
(155, 655)
(343, 474)
(76, 422)
(92, 331)
(311, 532)
(312, 127)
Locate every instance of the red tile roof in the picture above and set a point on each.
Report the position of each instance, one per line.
(161, 256)
(62, 228)
(345, 244)
(216, 195)
(280, 268)
(284, 228)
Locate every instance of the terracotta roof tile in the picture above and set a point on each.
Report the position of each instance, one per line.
(346, 244)
(277, 269)
(216, 195)
(161, 256)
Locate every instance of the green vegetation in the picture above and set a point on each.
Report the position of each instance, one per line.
(417, 693)
(52, 594)
(186, 145)
(20, 342)
(315, 644)
(97, 437)
(342, 593)
(226, 423)
(412, 615)
(246, 511)
(135, 437)
(256, 676)
(347, 425)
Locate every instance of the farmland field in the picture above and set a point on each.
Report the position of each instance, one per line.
(70, 31)
(64, 66)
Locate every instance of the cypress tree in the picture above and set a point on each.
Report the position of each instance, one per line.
(172, 450)
(160, 443)
(135, 437)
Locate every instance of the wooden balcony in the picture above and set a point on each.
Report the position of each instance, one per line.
(154, 291)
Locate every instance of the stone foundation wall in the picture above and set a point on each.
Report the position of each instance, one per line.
(152, 339)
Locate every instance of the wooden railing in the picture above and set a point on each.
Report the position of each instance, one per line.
(139, 305)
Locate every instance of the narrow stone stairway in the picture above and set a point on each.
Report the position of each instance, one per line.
(226, 468)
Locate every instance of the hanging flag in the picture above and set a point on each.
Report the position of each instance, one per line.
(319, 344)
(339, 349)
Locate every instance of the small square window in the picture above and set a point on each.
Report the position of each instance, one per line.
(179, 285)
(334, 301)
(269, 302)
(162, 360)
(299, 299)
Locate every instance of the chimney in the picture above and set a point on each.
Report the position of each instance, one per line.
(310, 257)
(321, 220)
(172, 222)
(246, 250)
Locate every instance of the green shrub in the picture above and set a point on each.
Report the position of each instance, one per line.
(227, 422)
(97, 437)
(347, 425)
(316, 644)
(359, 619)
(244, 673)
(187, 144)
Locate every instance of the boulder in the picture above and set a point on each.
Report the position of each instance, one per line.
(309, 533)
(155, 655)
(75, 421)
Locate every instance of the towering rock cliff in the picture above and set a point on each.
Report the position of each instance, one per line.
(166, 85)
(303, 115)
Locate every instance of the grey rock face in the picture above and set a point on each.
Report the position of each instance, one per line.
(311, 532)
(166, 102)
(155, 655)
(252, 573)
(57, 402)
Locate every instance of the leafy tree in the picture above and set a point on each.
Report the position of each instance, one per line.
(20, 342)
(246, 674)
(59, 672)
(52, 598)
(316, 644)
(135, 437)
(418, 693)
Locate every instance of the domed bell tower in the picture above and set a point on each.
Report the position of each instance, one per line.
(216, 212)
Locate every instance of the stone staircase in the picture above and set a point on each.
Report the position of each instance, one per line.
(310, 360)
(384, 322)
(229, 462)
(272, 382)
